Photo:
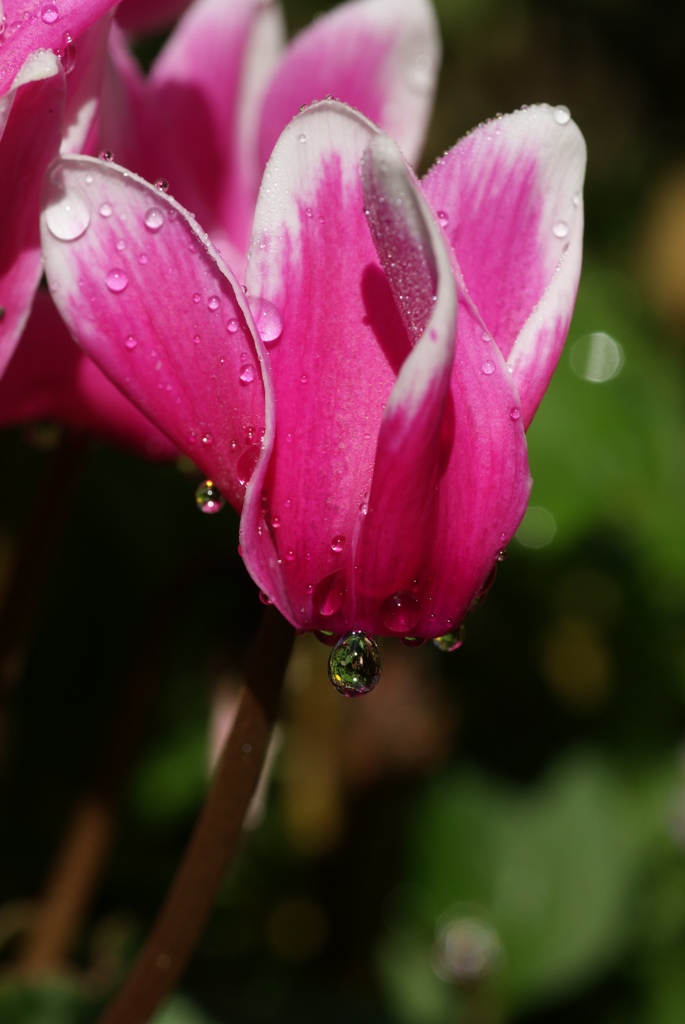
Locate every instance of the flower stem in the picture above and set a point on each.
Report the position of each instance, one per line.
(191, 897)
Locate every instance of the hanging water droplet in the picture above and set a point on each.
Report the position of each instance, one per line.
(515, 414)
(562, 115)
(488, 367)
(337, 544)
(107, 155)
(560, 229)
(450, 641)
(267, 319)
(116, 280)
(247, 373)
(49, 14)
(208, 498)
(354, 666)
(247, 461)
(400, 612)
(213, 302)
(68, 218)
(131, 343)
(443, 218)
(153, 219)
(264, 598)
(232, 325)
(413, 641)
(162, 185)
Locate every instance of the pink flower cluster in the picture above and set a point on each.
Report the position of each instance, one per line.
(351, 355)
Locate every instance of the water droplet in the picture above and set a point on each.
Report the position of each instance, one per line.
(232, 325)
(560, 229)
(105, 209)
(153, 219)
(68, 55)
(208, 498)
(116, 280)
(328, 594)
(301, 137)
(364, 508)
(326, 637)
(197, 339)
(247, 461)
(515, 413)
(120, 245)
(413, 641)
(213, 302)
(488, 367)
(143, 259)
(576, 198)
(264, 598)
(501, 555)
(400, 612)
(131, 343)
(162, 185)
(562, 115)
(68, 218)
(450, 641)
(107, 155)
(290, 555)
(247, 373)
(354, 666)
(443, 218)
(49, 14)
(303, 378)
(207, 440)
(267, 319)
(337, 544)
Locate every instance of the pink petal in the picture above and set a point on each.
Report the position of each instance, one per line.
(84, 60)
(47, 28)
(142, 16)
(451, 479)
(380, 56)
(203, 93)
(509, 199)
(30, 129)
(333, 366)
(149, 299)
(50, 378)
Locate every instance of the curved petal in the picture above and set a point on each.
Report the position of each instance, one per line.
(50, 378)
(30, 127)
(203, 93)
(49, 29)
(333, 366)
(451, 480)
(509, 199)
(84, 62)
(380, 56)
(147, 297)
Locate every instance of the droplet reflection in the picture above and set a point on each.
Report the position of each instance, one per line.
(354, 666)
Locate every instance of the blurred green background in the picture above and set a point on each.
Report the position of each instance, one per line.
(496, 835)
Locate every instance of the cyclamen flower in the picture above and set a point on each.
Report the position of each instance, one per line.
(379, 444)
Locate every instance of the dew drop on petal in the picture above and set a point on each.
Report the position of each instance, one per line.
(213, 302)
(247, 373)
(337, 544)
(68, 218)
(450, 641)
(560, 229)
(196, 297)
(400, 612)
(105, 209)
(267, 319)
(207, 440)
(301, 137)
(354, 666)
(131, 343)
(488, 367)
(208, 498)
(443, 218)
(153, 219)
(515, 413)
(162, 185)
(143, 259)
(264, 598)
(49, 14)
(247, 461)
(562, 115)
(116, 280)
(328, 594)
(107, 155)
(232, 325)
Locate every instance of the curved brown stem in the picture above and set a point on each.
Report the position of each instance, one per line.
(191, 897)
